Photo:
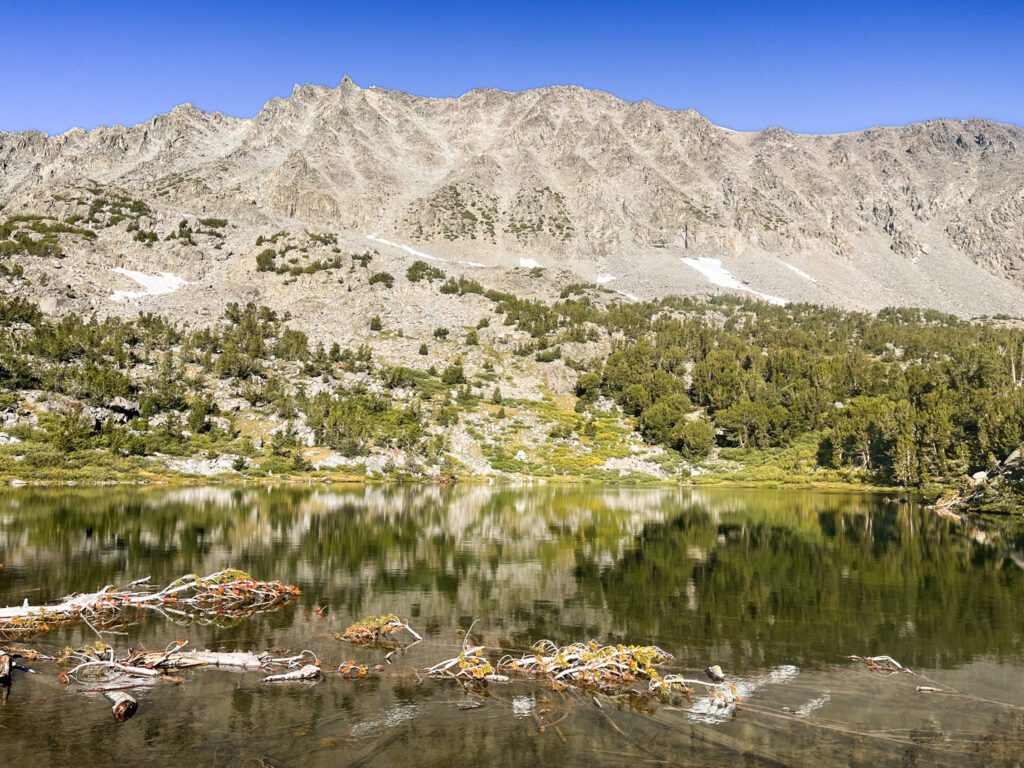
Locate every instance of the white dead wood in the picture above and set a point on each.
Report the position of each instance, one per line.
(304, 673)
(124, 705)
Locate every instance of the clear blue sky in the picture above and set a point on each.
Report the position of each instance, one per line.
(811, 67)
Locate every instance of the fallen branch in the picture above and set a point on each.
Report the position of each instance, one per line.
(881, 664)
(224, 597)
(113, 666)
(188, 659)
(175, 657)
(308, 672)
(124, 706)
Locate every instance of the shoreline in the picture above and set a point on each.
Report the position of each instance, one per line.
(157, 480)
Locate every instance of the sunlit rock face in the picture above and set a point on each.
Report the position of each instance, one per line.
(648, 200)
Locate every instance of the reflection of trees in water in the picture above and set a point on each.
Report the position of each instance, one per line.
(380, 538)
(750, 578)
(753, 590)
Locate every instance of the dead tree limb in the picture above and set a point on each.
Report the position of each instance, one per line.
(124, 706)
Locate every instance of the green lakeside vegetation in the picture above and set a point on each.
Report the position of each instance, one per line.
(734, 390)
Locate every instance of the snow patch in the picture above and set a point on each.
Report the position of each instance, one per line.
(411, 251)
(630, 296)
(420, 254)
(604, 279)
(528, 263)
(152, 285)
(716, 273)
(799, 271)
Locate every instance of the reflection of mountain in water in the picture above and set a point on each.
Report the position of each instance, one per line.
(748, 578)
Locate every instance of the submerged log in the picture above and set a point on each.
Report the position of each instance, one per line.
(308, 672)
(124, 706)
(114, 667)
(185, 659)
(175, 657)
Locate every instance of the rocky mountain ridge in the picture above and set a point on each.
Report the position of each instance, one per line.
(643, 199)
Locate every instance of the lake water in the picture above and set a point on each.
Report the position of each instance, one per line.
(777, 587)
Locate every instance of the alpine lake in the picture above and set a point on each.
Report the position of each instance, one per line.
(778, 587)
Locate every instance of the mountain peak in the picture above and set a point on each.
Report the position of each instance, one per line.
(929, 214)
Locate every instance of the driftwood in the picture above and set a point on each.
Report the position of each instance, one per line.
(176, 657)
(225, 596)
(187, 659)
(304, 673)
(470, 665)
(114, 667)
(881, 664)
(124, 706)
(96, 666)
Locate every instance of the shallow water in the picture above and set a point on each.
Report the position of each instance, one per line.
(775, 586)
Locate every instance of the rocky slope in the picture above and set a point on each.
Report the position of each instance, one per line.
(1000, 491)
(644, 200)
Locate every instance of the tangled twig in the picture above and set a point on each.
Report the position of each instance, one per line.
(881, 664)
(224, 597)
(605, 668)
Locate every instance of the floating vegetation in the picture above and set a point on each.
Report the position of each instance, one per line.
(224, 597)
(385, 631)
(354, 671)
(470, 665)
(611, 669)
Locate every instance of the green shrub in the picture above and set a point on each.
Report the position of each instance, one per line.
(420, 270)
(453, 374)
(693, 439)
(658, 420)
(362, 259)
(382, 277)
(265, 260)
(548, 355)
